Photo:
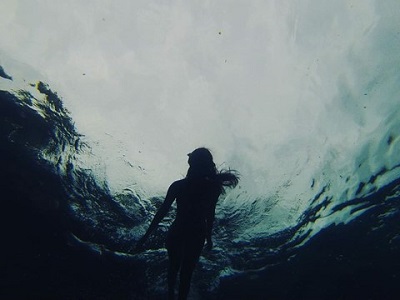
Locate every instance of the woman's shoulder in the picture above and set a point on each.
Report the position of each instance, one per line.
(180, 181)
(178, 184)
(175, 188)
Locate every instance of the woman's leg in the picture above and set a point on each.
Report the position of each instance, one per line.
(190, 258)
(173, 268)
(175, 253)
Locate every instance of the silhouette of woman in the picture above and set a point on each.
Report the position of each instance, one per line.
(196, 197)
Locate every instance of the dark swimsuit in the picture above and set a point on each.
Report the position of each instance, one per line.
(194, 200)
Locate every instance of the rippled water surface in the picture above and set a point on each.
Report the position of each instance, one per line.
(313, 132)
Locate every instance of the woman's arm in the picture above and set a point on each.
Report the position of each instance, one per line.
(162, 211)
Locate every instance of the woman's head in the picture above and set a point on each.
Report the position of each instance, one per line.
(200, 156)
(201, 163)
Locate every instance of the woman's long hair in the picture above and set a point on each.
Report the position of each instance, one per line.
(201, 165)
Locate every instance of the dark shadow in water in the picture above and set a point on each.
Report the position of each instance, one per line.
(359, 260)
(37, 262)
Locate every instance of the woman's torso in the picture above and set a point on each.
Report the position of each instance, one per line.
(195, 200)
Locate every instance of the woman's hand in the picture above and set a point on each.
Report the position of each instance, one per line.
(209, 244)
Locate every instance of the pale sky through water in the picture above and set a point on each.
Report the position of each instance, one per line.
(258, 82)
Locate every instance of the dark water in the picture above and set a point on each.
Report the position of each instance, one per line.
(65, 237)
